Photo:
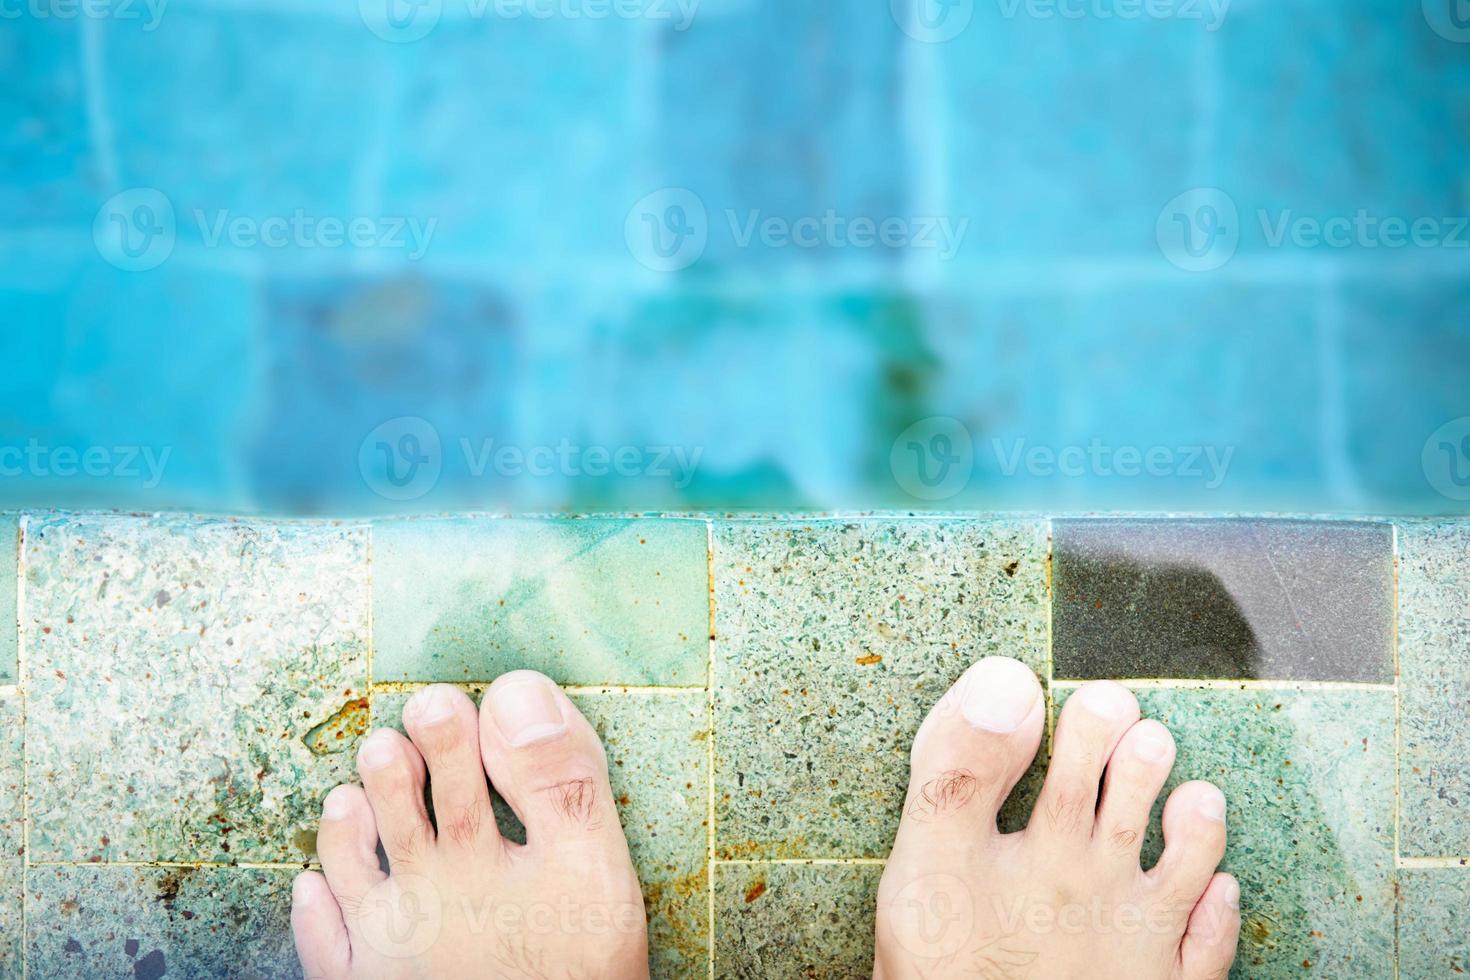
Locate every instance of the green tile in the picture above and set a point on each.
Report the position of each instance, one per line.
(95, 922)
(9, 625)
(193, 687)
(12, 842)
(583, 601)
(1434, 922)
(802, 921)
(1434, 676)
(833, 639)
(658, 763)
(1309, 781)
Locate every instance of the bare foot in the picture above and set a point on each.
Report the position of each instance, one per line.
(1066, 897)
(458, 899)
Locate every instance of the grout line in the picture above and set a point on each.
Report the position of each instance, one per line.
(1186, 683)
(1049, 729)
(1398, 710)
(240, 865)
(854, 862)
(709, 683)
(1434, 862)
(25, 741)
(371, 626)
(408, 687)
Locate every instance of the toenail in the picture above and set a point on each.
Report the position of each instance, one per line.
(1232, 894)
(999, 695)
(1150, 748)
(1110, 701)
(376, 752)
(1212, 806)
(432, 705)
(527, 710)
(334, 807)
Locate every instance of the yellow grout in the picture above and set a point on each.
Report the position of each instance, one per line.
(1434, 862)
(25, 741)
(242, 865)
(709, 683)
(1398, 802)
(855, 862)
(371, 625)
(1186, 683)
(408, 687)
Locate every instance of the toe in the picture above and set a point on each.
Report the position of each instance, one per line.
(1194, 843)
(347, 844)
(1092, 723)
(1209, 943)
(547, 761)
(320, 933)
(445, 728)
(392, 774)
(1136, 772)
(973, 747)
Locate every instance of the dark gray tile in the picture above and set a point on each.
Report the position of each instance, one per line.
(1292, 600)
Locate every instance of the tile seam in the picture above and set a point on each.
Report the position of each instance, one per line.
(1398, 740)
(407, 687)
(210, 865)
(21, 674)
(709, 682)
(1186, 683)
(1446, 861)
(757, 862)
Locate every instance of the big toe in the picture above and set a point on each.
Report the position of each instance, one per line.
(973, 747)
(547, 761)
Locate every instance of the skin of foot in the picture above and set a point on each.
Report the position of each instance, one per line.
(456, 898)
(1066, 897)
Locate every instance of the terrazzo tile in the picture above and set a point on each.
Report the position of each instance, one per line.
(833, 639)
(1308, 777)
(584, 601)
(147, 923)
(1434, 922)
(808, 921)
(9, 625)
(1434, 688)
(12, 835)
(658, 763)
(193, 686)
(1298, 600)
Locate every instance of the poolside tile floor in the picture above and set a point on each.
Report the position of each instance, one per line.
(189, 689)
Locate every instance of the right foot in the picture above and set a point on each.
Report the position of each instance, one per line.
(1066, 897)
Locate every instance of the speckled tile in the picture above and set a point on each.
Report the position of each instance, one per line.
(194, 687)
(802, 921)
(12, 837)
(1297, 600)
(9, 625)
(1309, 781)
(833, 639)
(1434, 922)
(584, 601)
(658, 762)
(96, 922)
(1434, 687)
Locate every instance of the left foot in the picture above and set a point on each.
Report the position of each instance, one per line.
(458, 899)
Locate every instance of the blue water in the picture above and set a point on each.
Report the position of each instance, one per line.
(307, 258)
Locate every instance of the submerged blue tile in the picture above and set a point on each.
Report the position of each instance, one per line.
(1299, 600)
(770, 110)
